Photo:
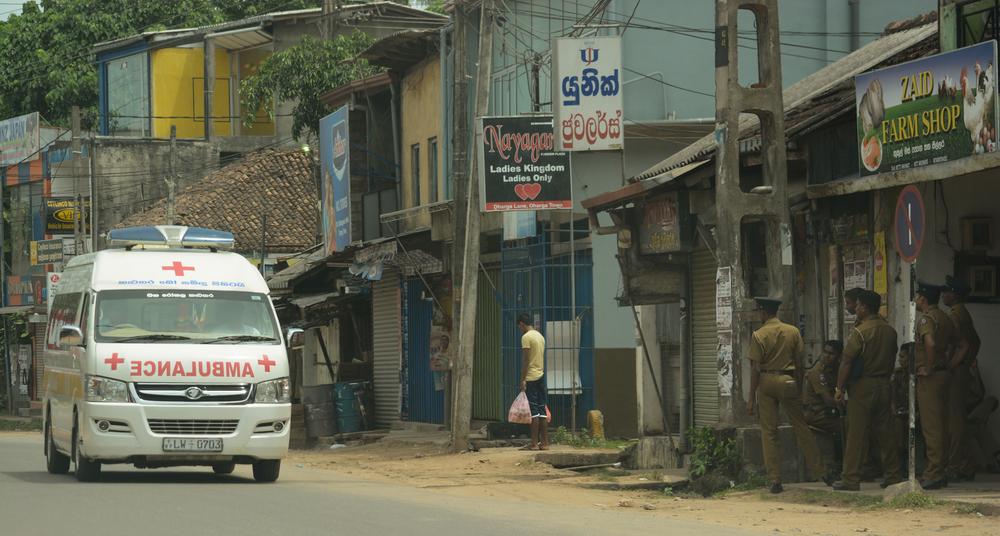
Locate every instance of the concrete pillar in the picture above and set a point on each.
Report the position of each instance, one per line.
(735, 206)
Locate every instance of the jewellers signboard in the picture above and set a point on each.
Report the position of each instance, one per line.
(519, 166)
(926, 111)
(587, 93)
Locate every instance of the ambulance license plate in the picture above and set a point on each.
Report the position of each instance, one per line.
(190, 444)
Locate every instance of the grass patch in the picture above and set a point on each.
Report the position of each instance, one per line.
(583, 440)
(606, 474)
(14, 425)
(858, 501)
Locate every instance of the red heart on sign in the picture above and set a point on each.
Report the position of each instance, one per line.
(528, 191)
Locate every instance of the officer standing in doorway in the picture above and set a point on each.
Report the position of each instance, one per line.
(869, 396)
(960, 382)
(776, 372)
(933, 344)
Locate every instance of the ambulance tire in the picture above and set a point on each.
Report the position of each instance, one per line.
(224, 468)
(56, 462)
(266, 470)
(86, 470)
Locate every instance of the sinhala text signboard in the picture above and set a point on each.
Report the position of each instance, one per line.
(927, 111)
(519, 167)
(335, 158)
(587, 93)
(19, 140)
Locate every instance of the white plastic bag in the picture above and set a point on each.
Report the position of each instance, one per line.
(520, 411)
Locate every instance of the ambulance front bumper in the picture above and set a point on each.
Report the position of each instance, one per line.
(135, 433)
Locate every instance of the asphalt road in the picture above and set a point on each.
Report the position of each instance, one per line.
(194, 502)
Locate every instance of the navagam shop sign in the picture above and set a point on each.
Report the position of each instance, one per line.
(519, 167)
(927, 111)
(19, 141)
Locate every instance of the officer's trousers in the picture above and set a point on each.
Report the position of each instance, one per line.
(959, 383)
(781, 390)
(932, 393)
(869, 411)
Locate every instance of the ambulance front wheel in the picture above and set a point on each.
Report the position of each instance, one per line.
(224, 468)
(86, 470)
(266, 470)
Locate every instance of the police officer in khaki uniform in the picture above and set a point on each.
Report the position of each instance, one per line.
(819, 406)
(869, 396)
(933, 345)
(960, 467)
(776, 367)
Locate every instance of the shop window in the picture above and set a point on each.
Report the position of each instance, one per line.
(432, 169)
(978, 21)
(127, 90)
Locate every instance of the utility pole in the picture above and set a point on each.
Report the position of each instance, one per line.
(467, 291)
(77, 173)
(209, 88)
(94, 212)
(171, 177)
(735, 203)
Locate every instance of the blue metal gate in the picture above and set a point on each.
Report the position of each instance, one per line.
(422, 403)
(536, 280)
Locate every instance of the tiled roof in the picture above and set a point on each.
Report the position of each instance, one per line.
(276, 182)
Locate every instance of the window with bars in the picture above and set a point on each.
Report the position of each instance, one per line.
(415, 173)
(432, 170)
(978, 21)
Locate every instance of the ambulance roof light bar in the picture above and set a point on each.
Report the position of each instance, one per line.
(170, 236)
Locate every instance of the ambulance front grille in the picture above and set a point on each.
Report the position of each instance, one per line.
(184, 393)
(193, 426)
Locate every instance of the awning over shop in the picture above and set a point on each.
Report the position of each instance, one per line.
(241, 38)
(15, 309)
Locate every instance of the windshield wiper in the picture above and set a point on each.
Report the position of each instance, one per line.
(154, 337)
(241, 338)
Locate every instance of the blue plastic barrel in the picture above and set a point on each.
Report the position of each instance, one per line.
(353, 404)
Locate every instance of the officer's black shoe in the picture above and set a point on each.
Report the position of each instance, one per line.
(844, 486)
(829, 480)
(934, 484)
(776, 488)
(886, 483)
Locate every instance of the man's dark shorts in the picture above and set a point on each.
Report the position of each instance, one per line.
(536, 397)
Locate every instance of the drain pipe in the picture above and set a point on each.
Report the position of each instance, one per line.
(684, 393)
(854, 8)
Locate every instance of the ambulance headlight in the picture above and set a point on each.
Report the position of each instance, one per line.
(273, 392)
(100, 389)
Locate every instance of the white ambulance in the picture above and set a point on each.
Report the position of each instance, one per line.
(162, 352)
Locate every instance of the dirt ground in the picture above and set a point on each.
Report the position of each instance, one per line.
(512, 474)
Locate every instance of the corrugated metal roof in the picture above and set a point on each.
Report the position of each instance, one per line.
(836, 76)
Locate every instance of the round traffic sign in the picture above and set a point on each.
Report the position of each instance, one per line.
(910, 225)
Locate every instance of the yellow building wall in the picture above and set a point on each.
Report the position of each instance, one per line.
(249, 62)
(179, 95)
(420, 102)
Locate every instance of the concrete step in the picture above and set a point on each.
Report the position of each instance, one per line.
(564, 459)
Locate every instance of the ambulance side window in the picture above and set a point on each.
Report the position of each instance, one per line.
(84, 317)
(64, 311)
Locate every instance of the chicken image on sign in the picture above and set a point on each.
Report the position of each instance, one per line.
(927, 111)
(519, 166)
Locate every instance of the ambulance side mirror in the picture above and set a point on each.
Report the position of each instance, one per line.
(295, 337)
(70, 335)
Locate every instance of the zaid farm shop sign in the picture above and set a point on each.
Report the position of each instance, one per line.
(927, 111)
(519, 169)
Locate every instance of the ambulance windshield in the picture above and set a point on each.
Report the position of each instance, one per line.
(167, 316)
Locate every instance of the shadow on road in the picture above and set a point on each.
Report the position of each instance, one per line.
(132, 477)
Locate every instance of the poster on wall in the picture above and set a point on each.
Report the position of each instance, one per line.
(586, 93)
(19, 139)
(519, 166)
(335, 163)
(660, 226)
(926, 111)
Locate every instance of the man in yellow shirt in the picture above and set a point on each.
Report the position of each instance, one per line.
(533, 379)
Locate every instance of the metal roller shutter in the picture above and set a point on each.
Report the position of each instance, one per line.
(386, 347)
(704, 340)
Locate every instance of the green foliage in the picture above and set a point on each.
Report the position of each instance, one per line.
(583, 440)
(47, 67)
(436, 6)
(302, 73)
(20, 425)
(712, 453)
